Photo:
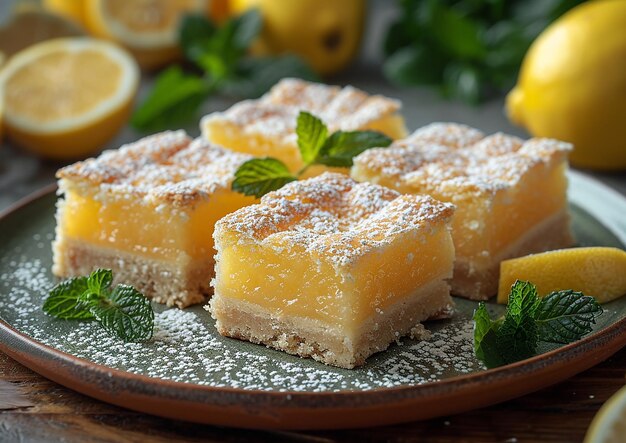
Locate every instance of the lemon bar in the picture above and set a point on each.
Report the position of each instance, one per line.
(332, 269)
(510, 194)
(266, 126)
(147, 211)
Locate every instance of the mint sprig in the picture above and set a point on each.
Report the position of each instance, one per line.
(262, 175)
(561, 317)
(220, 64)
(122, 311)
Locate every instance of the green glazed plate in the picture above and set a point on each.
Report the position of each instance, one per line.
(188, 371)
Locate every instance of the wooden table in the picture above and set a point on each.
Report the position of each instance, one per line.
(33, 409)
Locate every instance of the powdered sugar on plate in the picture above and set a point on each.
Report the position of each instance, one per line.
(187, 348)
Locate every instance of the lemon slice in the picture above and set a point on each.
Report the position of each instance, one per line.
(65, 98)
(31, 25)
(149, 28)
(72, 9)
(609, 424)
(596, 271)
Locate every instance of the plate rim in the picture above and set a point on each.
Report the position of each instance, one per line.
(129, 385)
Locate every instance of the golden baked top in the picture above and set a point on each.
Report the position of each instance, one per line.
(334, 216)
(457, 158)
(275, 113)
(165, 168)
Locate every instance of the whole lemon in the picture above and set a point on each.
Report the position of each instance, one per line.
(572, 84)
(326, 33)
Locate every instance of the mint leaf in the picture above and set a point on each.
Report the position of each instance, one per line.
(312, 133)
(341, 147)
(261, 175)
(175, 98)
(457, 33)
(246, 28)
(125, 313)
(256, 75)
(64, 300)
(485, 335)
(518, 336)
(99, 280)
(195, 31)
(566, 316)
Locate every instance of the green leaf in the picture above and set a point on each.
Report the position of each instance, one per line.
(341, 147)
(523, 300)
(566, 316)
(459, 34)
(518, 336)
(247, 28)
(174, 98)
(485, 334)
(126, 314)
(195, 33)
(63, 300)
(463, 82)
(100, 280)
(412, 66)
(261, 175)
(312, 133)
(256, 75)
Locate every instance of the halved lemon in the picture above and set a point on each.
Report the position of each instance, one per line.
(147, 28)
(596, 271)
(609, 424)
(65, 98)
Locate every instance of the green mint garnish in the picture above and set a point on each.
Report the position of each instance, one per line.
(341, 147)
(122, 311)
(485, 335)
(64, 299)
(561, 317)
(312, 134)
(565, 316)
(221, 64)
(259, 176)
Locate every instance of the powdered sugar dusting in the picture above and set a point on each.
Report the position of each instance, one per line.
(168, 167)
(334, 216)
(274, 114)
(449, 158)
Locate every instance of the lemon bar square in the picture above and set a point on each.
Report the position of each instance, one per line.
(266, 126)
(147, 211)
(332, 269)
(510, 194)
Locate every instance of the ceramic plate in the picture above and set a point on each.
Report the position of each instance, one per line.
(188, 371)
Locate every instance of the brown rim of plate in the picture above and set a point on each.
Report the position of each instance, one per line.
(260, 409)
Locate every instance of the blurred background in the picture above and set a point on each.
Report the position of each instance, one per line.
(553, 68)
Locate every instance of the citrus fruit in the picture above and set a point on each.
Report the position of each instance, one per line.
(65, 98)
(32, 25)
(72, 9)
(609, 424)
(596, 271)
(572, 84)
(148, 28)
(325, 33)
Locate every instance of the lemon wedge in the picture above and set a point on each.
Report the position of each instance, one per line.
(609, 424)
(148, 29)
(596, 271)
(65, 98)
